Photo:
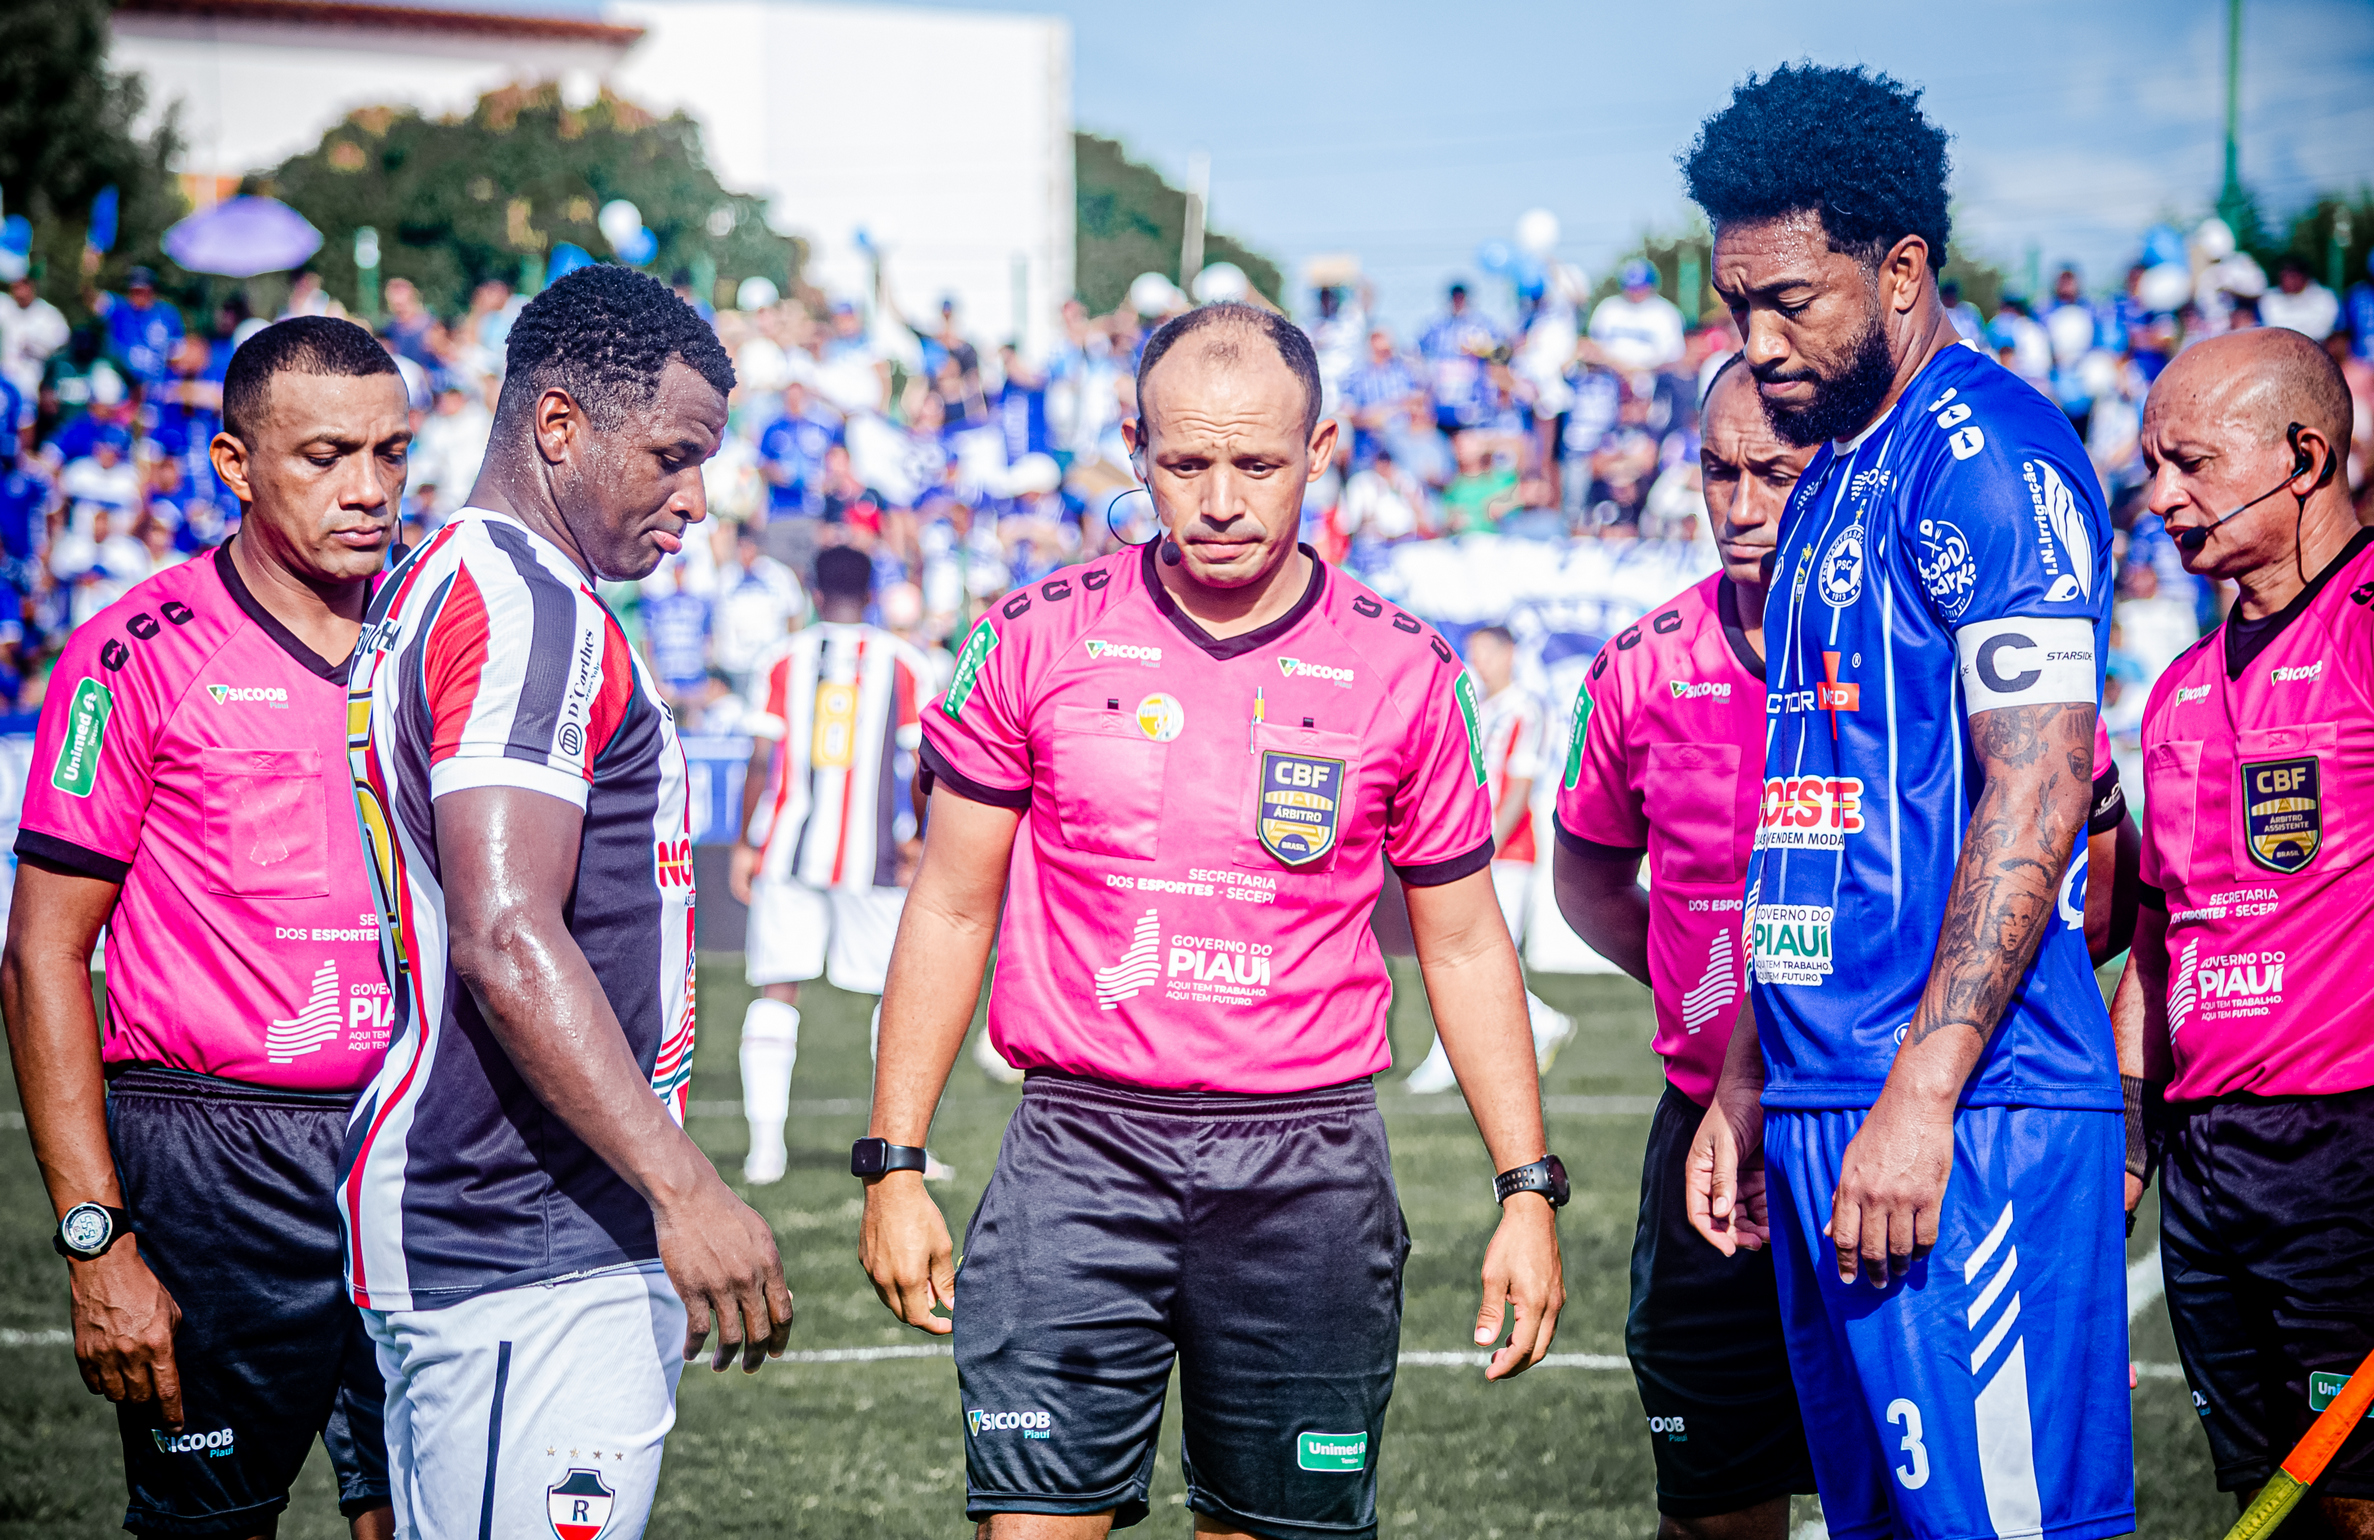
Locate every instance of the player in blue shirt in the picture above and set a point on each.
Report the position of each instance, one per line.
(1940, 1115)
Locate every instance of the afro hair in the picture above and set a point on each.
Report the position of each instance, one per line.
(319, 345)
(1852, 145)
(605, 334)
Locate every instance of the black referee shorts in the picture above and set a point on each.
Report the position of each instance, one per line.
(1704, 1336)
(1256, 1239)
(231, 1188)
(2267, 1248)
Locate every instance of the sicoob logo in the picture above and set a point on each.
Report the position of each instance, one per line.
(1028, 1424)
(248, 695)
(214, 1445)
(1125, 652)
(1299, 668)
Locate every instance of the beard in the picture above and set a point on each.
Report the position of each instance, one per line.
(1842, 403)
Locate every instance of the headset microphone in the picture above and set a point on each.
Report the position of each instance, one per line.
(2303, 461)
(1169, 552)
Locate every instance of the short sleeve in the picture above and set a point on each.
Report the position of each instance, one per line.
(2012, 550)
(525, 681)
(87, 790)
(1599, 811)
(976, 734)
(1439, 828)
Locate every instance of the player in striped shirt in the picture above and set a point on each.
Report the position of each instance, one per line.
(821, 861)
(532, 1232)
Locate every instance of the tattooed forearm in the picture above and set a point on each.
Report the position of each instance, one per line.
(2038, 766)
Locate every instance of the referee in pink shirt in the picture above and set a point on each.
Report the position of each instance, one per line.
(1178, 768)
(2247, 992)
(190, 795)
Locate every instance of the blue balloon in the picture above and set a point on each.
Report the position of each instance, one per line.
(640, 249)
(103, 219)
(16, 235)
(1496, 257)
(566, 259)
(2161, 244)
(1530, 277)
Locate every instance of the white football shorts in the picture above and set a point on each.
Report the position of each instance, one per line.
(797, 933)
(536, 1410)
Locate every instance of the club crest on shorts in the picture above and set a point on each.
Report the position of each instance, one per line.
(579, 1506)
(2283, 819)
(1300, 806)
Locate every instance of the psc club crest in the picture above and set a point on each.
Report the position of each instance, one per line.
(579, 1506)
(1300, 807)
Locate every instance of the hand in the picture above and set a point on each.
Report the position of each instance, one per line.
(1724, 1177)
(721, 1257)
(903, 1245)
(1524, 1275)
(2134, 1190)
(1891, 1187)
(124, 1322)
(740, 867)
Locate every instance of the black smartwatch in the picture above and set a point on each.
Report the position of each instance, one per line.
(1546, 1176)
(88, 1230)
(871, 1157)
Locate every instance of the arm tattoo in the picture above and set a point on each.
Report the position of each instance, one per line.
(2037, 761)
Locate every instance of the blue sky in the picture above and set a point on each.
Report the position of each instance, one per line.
(1409, 133)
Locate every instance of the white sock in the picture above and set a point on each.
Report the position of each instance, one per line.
(770, 1047)
(1546, 1021)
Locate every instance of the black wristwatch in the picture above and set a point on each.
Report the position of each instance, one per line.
(89, 1229)
(1546, 1176)
(875, 1157)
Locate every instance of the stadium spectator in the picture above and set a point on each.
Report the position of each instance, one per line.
(198, 810)
(758, 601)
(410, 328)
(141, 333)
(1928, 1107)
(2246, 1000)
(1203, 1157)
(538, 886)
(31, 329)
(1454, 347)
(1637, 329)
(1967, 321)
(2300, 303)
(826, 846)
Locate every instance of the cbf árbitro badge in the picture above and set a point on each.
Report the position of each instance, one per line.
(1301, 804)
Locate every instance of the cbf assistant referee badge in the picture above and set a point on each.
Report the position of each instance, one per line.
(1300, 807)
(2283, 818)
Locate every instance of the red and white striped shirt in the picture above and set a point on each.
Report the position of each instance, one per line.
(842, 702)
(1510, 725)
(488, 660)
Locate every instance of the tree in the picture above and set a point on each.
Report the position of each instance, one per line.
(66, 133)
(457, 201)
(1131, 221)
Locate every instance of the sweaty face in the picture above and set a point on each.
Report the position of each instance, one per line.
(633, 488)
(1813, 324)
(324, 477)
(1747, 471)
(1220, 445)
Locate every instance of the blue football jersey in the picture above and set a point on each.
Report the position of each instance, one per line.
(1953, 559)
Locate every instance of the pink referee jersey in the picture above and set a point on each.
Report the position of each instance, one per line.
(1190, 890)
(841, 701)
(2258, 833)
(189, 750)
(1668, 760)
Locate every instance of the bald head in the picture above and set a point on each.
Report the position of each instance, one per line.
(2262, 380)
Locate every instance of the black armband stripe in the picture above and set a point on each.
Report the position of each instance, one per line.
(1434, 874)
(1593, 850)
(1016, 798)
(48, 850)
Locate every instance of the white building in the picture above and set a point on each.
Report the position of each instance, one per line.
(944, 137)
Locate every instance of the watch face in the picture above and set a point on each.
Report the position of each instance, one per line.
(86, 1227)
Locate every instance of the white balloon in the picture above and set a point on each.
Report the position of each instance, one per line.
(1537, 232)
(618, 221)
(1152, 294)
(1221, 283)
(756, 294)
(2214, 239)
(2165, 287)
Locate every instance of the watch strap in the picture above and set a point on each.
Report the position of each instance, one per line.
(871, 1157)
(1546, 1176)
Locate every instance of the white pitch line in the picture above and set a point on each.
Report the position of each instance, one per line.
(51, 1338)
(2143, 1283)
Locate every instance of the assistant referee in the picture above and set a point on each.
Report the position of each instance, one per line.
(1177, 767)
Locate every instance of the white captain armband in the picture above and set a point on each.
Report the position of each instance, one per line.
(2024, 662)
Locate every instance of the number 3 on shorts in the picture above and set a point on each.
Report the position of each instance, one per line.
(1915, 1475)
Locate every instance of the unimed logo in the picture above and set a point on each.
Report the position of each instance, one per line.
(1332, 1451)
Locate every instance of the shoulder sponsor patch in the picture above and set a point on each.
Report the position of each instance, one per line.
(2283, 818)
(77, 769)
(977, 648)
(1574, 740)
(1301, 805)
(1464, 691)
(1946, 566)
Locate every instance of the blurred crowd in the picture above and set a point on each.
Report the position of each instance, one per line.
(965, 470)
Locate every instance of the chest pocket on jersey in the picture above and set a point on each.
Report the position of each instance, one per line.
(2171, 798)
(2293, 801)
(1296, 808)
(1107, 778)
(266, 831)
(1695, 837)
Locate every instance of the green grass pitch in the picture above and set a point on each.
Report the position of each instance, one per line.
(847, 1450)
